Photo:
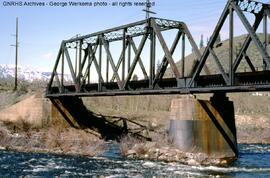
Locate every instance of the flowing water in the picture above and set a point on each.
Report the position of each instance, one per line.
(254, 161)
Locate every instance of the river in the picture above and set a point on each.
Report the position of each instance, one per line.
(254, 161)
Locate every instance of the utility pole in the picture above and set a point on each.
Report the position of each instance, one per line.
(16, 55)
(147, 9)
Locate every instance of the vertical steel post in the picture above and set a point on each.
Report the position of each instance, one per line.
(107, 65)
(152, 58)
(99, 62)
(265, 32)
(80, 66)
(183, 56)
(76, 58)
(129, 54)
(89, 61)
(124, 54)
(231, 72)
(62, 70)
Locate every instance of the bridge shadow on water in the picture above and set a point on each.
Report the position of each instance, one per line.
(108, 127)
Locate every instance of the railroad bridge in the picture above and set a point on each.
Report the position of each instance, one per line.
(107, 63)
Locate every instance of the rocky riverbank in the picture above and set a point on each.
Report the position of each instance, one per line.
(164, 151)
(71, 141)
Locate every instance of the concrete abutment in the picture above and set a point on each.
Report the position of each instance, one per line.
(201, 126)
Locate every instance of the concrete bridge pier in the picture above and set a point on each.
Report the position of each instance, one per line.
(200, 126)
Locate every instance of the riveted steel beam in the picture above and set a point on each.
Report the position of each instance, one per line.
(165, 49)
(91, 58)
(119, 61)
(246, 45)
(135, 61)
(220, 67)
(55, 66)
(140, 60)
(164, 62)
(112, 63)
(210, 44)
(252, 33)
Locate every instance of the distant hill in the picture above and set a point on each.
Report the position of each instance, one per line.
(26, 73)
(223, 55)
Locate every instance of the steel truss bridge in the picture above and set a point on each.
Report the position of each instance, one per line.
(94, 58)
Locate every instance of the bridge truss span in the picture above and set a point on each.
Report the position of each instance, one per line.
(107, 62)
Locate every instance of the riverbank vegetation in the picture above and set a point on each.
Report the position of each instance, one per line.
(53, 139)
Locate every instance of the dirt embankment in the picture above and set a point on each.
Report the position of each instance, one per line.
(26, 125)
(253, 129)
(32, 109)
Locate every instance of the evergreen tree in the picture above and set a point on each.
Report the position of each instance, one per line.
(135, 77)
(201, 42)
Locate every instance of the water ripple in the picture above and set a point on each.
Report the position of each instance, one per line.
(253, 162)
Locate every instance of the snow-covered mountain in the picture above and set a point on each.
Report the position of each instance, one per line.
(27, 73)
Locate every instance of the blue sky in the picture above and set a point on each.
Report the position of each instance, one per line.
(41, 29)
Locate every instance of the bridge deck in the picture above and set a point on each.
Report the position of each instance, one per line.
(245, 82)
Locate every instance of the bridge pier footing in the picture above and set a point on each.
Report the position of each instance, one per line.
(201, 126)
